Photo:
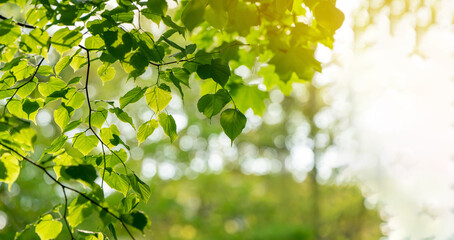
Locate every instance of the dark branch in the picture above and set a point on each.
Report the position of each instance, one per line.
(18, 23)
(68, 187)
(19, 87)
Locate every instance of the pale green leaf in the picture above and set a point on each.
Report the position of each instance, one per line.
(48, 228)
(158, 97)
(132, 96)
(85, 143)
(168, 125)
(9, 169)
(146, 129)
(65, 39)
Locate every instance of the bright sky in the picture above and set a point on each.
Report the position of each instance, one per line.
(400, 143)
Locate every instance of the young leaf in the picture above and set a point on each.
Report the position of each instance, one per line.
(158, 97)
(48, 228)
(168, 125)
(249, 97)
(137, 219)
(29, 107)
(28, 88)
(94, 43)
(141, 188)
(62, 115)
(62, 64)
(106, 72)
(192, 15)
(112, 231)
(85, 173)
(9, 169)
(146, 129)
(85, 143)
(54, 84)
(132, 96)
(56, 145)
(78, 211)
(64, 39)
(218, 70)
(122, 116)
(117, 181)
(212, 104)
(233, 123)
(98, 117)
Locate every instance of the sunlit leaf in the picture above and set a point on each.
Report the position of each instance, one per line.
(158, 97)
(48, 228)
(168, 125)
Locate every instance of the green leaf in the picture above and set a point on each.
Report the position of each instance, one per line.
(94, 43)
(72, 125)
(117, 181)
(146, 129)
(168, 125)
(8, 32)
(129, 202)
(135, 64)
(62, 115)
(112, 230)
(106, 72)
(122, 116)
(74, 99)
(217, 18)
(62, 64)
(56, 145)
(16, 107)
(192, 15)
(48, 228)
(9, 169)
(158, 97)
(85, 143)
(84, 173)
(212, 104)
(137, 219)
(329, 16)
(29, 106)
(141, 188)
(110, 135)
(45, 70)
(28, 88)
(35, 42)
(156, 10)
(98, 117)
(78, 211)
(247, 97)
(132, 96)
(233, 123)
(218, 70)
(65, 39)
(54, 84)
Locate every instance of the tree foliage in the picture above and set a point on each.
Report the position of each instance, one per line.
(204, 39)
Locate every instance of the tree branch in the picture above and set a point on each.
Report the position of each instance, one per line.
(19, 87)
(18, 23)
(68, 187)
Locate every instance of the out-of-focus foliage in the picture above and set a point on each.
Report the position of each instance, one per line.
(226, 206)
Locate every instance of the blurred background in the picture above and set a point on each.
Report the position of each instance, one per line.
(362, 152)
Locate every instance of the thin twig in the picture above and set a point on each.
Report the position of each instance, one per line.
(68, 187)
(19, 87)
(65, 214)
